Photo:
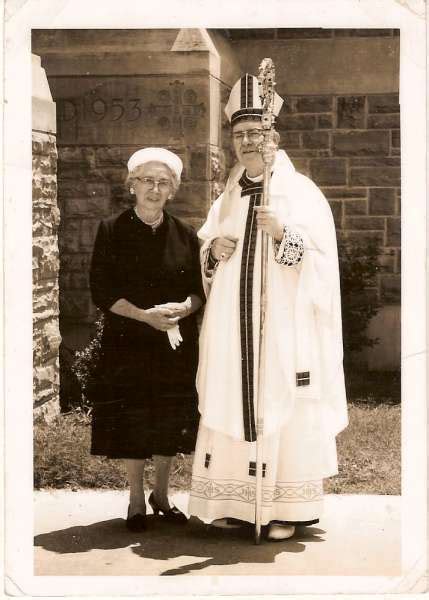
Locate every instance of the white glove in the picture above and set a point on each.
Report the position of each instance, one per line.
(174, 337)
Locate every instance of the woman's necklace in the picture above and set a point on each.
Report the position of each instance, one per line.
(154, 224)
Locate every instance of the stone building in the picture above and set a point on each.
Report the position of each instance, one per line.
(119, 90)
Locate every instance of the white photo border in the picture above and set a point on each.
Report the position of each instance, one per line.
(20, 18)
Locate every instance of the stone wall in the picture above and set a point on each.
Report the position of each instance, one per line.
(120, 90)
(116, 92)
(341, 126)
(93, 151)
(46, 338)
(350, 146)
(325, 61)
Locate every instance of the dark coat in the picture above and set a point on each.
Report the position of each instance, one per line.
(144, 397)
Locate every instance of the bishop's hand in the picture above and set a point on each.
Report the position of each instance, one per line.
(222, 248)
(268, 221)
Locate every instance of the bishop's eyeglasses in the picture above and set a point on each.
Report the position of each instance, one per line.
(253, 135)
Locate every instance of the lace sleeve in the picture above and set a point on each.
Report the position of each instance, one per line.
(290, 250)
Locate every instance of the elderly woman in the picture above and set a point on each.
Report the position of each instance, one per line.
(145, 277)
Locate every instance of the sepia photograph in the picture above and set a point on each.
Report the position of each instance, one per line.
(224, 340)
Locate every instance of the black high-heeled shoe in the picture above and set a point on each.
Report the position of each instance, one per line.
(174, 515)
(137, 522)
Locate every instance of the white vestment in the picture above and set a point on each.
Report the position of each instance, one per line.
(303, 341)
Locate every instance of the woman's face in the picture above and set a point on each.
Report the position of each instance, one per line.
(153, 186)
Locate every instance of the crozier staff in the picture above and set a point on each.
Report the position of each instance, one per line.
(266, 85)
(304, 394)
(145, 277)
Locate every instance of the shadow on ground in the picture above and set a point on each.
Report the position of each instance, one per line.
(163, 541)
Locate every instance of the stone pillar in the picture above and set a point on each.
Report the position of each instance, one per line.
(46, 337)
(215, 154)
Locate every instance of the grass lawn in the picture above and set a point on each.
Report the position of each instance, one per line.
(369, 454)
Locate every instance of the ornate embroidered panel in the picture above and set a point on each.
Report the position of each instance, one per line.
(243, 491)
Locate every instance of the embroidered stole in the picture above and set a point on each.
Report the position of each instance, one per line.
(254, 190)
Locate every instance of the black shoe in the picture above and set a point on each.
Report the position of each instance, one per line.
(174, 515)
(136, 523)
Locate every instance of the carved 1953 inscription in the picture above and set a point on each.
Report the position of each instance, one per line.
(174, 110)
(99, 109)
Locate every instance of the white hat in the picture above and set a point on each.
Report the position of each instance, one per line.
(244, 100)
(161, 155)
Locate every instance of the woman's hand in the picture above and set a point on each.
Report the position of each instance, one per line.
(177, 309)
(159, 317)
(222, 248)
(268, 221)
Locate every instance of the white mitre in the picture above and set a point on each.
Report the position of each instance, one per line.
(244, 100)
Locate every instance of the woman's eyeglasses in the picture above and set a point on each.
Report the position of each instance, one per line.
(150, 182)
(254, 135)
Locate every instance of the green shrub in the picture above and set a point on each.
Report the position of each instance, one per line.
(359, 299)
(86, 362)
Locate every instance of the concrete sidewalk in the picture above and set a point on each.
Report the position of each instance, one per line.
(83, 533)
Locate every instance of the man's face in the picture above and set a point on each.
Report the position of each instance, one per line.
(246, 137)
